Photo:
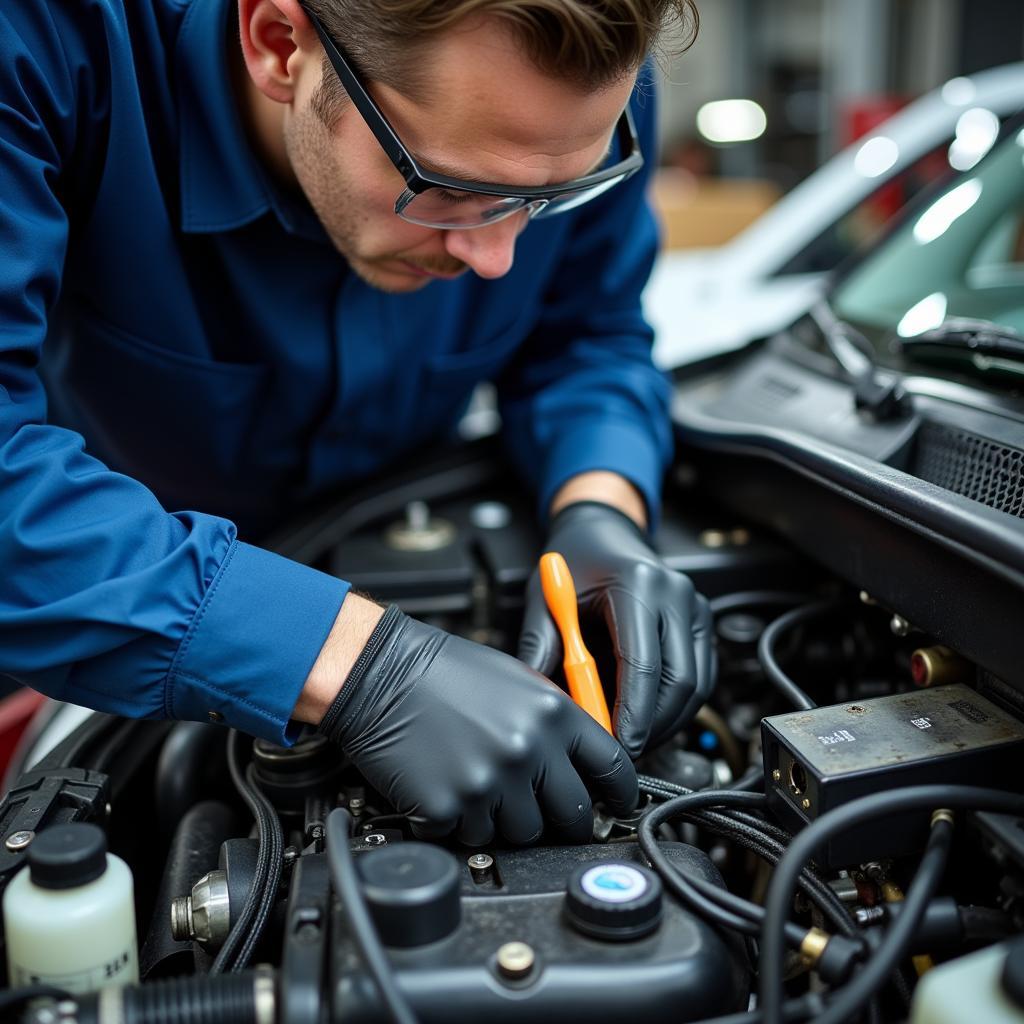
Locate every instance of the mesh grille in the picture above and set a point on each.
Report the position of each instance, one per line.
(973, 466)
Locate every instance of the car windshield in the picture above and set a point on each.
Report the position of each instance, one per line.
(957, 258)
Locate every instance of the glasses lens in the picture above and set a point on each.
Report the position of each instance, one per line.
(570, 200)
(451, 208)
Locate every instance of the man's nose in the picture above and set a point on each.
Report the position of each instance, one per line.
(488, 251)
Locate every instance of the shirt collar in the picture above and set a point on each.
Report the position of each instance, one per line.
(223, 183)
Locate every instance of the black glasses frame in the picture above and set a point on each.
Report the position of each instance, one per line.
(418, 180)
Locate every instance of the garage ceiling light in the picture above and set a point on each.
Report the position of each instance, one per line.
(727, 121)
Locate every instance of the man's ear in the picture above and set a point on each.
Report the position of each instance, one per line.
(278, 40)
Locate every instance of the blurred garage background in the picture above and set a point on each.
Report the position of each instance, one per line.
(822, 73)
(842, 109)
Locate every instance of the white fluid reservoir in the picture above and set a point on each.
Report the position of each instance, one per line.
(986, 987)
(69, 916)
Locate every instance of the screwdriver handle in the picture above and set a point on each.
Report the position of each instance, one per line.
(580, 668)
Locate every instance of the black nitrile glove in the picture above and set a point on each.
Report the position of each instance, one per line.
(462, 738)
(660, 626)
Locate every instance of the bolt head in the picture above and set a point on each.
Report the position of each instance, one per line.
(375, 839)
(776, 775)
(481, 861)
(18, 841)
(515, 959)
(899, 625)
(805, 804)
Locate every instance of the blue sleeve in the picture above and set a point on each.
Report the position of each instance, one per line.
(108, 600)
(584, 394)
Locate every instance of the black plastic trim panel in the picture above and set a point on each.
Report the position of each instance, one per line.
(952, 566)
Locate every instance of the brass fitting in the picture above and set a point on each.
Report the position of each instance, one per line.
(939, 666)
(812, 947)
(891, 892)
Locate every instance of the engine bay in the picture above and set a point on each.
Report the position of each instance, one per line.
(795, 856)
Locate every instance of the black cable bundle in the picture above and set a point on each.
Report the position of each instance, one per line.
(248, 929)
(845, 1003)
(725, 812)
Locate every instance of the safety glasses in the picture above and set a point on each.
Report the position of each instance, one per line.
(440, 201)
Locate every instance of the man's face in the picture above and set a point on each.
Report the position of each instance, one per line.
(490, 115)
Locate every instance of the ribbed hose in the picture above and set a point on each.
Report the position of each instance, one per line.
(225, 999)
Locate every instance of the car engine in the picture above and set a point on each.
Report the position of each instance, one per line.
(274, 885)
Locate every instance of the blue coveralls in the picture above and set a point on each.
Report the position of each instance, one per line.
(181, 350)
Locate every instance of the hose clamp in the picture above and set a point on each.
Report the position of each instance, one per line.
(942, 814)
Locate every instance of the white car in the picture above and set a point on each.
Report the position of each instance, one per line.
(702, 302)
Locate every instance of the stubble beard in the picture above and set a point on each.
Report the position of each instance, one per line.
(308, 145)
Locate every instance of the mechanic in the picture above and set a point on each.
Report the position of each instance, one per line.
(212, 301)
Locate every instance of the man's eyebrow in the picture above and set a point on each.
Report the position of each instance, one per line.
(449, 171)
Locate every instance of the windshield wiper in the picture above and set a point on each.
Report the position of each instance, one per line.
(985, 345)
(883, 398)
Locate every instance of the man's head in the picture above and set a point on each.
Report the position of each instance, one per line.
(522, 92)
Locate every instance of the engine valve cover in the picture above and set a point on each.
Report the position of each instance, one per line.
(517, 955)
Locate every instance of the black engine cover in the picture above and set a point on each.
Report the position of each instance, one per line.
(683, 971)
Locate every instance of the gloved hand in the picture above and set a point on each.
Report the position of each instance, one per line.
(461, 737)
(660, 626)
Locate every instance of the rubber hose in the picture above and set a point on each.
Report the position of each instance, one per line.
(222, 999)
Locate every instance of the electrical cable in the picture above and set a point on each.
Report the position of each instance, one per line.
(770, 836)
(664, 790)
(814, 887)
(751, 834)
(343, 877)
(896, 942)
(775, 932)
(772, 848)
(703, 897)
(766, 651)
(751, 780)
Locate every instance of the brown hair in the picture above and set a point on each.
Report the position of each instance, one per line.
(589, 42)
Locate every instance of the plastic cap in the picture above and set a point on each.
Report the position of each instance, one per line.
(614, 900)
(66, 856)
(412, 892)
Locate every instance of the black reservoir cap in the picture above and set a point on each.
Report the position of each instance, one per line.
(412, 891)
(66, 856)
(614, 901)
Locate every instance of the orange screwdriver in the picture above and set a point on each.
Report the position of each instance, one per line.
(580, 668)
